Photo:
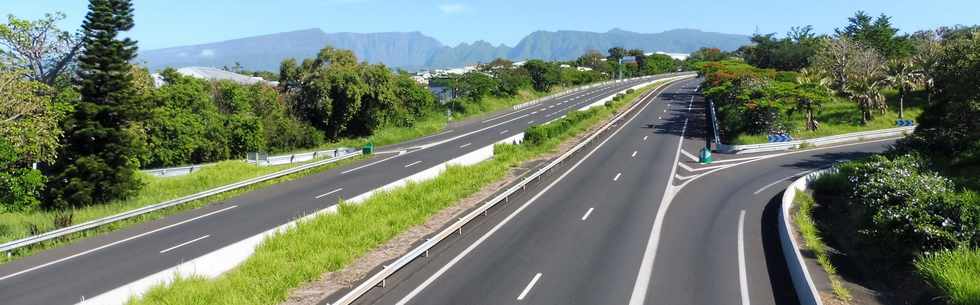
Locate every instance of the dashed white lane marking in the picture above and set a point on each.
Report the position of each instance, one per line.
(530, 122)
(505, 131)
(113, 244)
(665, 110)
(328, 193)
(645, 138)
(587, 213)
(742, 277)
(184, 244)
(660, 118)
(465, 145)
(634, 154)
(617, 176)
(413, 163)
(529, 286)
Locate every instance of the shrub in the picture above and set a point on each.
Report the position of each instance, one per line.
(902, 209)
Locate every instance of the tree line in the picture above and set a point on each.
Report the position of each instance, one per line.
(78, 118)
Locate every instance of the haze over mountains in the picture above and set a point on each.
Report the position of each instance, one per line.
(414, 50)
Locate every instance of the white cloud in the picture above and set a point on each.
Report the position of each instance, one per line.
(207, 53)
(452, 8)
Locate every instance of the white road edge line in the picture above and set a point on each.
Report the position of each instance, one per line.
(529, 286)
(742, 277)
(587, 213)
(503, 222)
(413, 163)
(184, 244)
(780, 180)
(645, 272)
(617, 176)
(328, 193)
(113, 244)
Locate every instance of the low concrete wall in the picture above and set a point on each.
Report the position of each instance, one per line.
(822, 141)
(806, 290)
(222, 260)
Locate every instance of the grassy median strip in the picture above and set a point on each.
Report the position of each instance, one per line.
(332, 241)
(20, 225)
(15, 226)
(955, 272)
(837, 117)
(814, 243)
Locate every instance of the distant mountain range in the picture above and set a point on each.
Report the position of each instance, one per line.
(414, 50)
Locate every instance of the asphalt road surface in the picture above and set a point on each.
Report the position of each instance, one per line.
(633, 221)
(92, 266)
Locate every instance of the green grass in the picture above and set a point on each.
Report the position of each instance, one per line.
(436, 122)
(814, 243)
(955, 272)
(19, 225)
(839, 117)
(15, 226)
(330, 242)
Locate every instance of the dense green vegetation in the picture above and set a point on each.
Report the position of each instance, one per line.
(331, 242)
(79, 120)
(917, 207)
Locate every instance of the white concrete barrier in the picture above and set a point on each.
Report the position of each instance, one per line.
(806, 290)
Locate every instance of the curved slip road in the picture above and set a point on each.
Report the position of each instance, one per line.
(93, 266)
(619, 225)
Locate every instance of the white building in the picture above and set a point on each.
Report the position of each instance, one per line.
(214, 74)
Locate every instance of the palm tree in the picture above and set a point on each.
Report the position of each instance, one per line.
(866, 91)
(811, 92)
(901, 74)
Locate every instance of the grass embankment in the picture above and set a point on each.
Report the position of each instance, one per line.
(330, 242)
(15, 226)
(956, 272)
(839, 117)
(436, 122)
(814, 243)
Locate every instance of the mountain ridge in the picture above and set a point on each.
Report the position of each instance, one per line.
(414, 50)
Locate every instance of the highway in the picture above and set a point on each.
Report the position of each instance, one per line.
(90, 267)
(635, 220)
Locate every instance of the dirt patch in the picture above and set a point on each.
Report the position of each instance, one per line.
(314, 292)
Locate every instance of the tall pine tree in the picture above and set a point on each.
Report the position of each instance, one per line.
(98, 162)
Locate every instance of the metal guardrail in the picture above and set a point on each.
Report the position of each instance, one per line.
(262, 159)
(163, 205)
(420, 250)
(175, 171)
(848, 137)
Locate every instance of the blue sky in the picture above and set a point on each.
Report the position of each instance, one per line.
(165, 23)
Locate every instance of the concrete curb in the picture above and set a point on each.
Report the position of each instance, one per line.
(806, 290)
(822, 141)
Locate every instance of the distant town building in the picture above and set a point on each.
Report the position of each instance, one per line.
(422, 80)
(583, 68)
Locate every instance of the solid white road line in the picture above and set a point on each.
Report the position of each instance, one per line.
(742, 277)
(184, 244)
(465, 145)
(413, 163)
(689, 155)
(634, 154)
(778, 181)
(617, 176)
(369, 164)
(644, 274)
(113, 244)
(529, 286)
(504, 222)
(587, 213)
(328, 193)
